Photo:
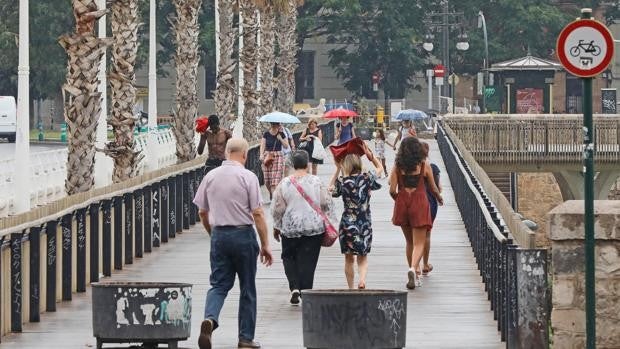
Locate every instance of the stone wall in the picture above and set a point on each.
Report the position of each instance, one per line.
(538, 193)
(566, 228)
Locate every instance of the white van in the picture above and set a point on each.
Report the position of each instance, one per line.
(8, 118)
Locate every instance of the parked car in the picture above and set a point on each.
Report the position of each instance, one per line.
(8, 118)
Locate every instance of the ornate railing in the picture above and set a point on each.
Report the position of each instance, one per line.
(515, 276)
(522, 139)
(57, 249)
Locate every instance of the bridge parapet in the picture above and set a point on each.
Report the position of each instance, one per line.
(536, 140)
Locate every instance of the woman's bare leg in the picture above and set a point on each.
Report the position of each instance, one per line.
(409, 243)
(362, 270)
(419, 239)
(349, 272)
(427, 248)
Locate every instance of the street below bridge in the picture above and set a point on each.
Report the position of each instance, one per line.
(7, 150)
(450, 310)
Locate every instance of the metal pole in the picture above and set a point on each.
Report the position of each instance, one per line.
(22, 142)
(452, 79)
(217, 39)
(485, 75)
(589, 206)
(103, 174)
(151, 140)
(446, 44)
(430, 89)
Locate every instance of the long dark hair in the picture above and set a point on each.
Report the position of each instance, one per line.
(410, 154)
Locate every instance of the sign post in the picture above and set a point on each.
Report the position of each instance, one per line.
(585, 47)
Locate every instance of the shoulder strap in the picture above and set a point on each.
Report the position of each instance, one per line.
(309, 201)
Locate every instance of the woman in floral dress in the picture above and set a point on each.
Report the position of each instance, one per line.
(355, 224)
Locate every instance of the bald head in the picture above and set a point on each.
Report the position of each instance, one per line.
(237, 149)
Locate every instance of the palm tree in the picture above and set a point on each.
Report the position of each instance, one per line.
(287, 41)
(249, 57)
(186, 60)
(122, 78)
(225, 92)
(81, 98)
(269, 9)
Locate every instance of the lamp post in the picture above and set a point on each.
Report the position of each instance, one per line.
(461, 45)
(485, 77)
(22, 140)
(152, 116)
(448, 21)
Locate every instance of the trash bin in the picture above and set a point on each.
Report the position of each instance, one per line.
(141, 312)
(63, 132)
(361, 319)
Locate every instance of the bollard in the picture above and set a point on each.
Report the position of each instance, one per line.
(41, 135)
(63, 132)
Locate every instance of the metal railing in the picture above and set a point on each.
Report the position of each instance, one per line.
(522, 139)
(515, 278)
(55, 250)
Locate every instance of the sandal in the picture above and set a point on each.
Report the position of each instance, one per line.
(427, 269)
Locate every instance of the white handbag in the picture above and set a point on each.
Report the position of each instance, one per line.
(318, 151)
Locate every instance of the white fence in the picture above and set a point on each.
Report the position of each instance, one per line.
(48, 171)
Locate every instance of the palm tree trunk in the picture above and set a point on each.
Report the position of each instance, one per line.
(287, 40)
(225, 93)
(266, 59)
(249, 63)
(186, 60)
(82, 101)
(122, 78)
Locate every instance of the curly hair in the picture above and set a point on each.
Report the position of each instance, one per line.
(410, 154)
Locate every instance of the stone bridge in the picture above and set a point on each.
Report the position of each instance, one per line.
(542, 143)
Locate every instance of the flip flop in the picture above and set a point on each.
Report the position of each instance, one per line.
(427, 269)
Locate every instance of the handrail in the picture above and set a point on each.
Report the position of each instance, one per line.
(496, 232)
(522, 234)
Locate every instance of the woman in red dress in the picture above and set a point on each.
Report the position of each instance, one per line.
(412, 210)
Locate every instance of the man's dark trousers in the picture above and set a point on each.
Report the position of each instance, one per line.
(234, 251)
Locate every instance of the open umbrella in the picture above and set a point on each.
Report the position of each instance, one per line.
(411, 114)
(279, 117)
(339, 113)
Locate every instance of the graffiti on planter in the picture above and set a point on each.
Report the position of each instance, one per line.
(392, 309)
(153, 306)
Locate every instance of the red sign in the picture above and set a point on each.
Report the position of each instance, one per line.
(439, 70)
(530, 101)
(585, 47)
(376, 77)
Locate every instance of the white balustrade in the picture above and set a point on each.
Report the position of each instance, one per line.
(48, 170)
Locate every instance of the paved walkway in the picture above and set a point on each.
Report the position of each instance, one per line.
(450, 310)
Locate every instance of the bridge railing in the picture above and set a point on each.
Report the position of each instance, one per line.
(515, 276)
(56, 250)
(543, 139)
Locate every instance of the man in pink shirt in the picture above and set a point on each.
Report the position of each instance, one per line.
(230, 205)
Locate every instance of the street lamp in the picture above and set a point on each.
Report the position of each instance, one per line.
(485, 77)
(462, 45)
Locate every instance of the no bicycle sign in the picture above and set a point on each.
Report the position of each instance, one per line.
(585, 47)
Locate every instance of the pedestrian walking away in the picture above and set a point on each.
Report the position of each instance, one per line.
(229, 203)
(345, 131)
(307, 138)
(298, 226)
(356, 223)
(406, 129)
(271, 156)
(380, 143)
(215, 138)
(411, 209)
(286, 151)
(427, 267)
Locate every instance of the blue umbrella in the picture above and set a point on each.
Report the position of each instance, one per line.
(279, 117)
(411, 114)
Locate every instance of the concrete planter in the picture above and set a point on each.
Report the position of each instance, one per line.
(347, 319)
(146, 312)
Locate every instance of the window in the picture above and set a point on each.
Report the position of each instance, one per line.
(210, 81)
(307, 62)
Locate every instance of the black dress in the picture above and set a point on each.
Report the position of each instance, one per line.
(310, 146)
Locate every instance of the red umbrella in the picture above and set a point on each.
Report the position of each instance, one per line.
(340, 113)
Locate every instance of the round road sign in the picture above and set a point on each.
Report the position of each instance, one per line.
(585, 47)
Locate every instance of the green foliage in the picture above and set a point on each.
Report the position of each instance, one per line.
(48, 62)
(376, 36)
